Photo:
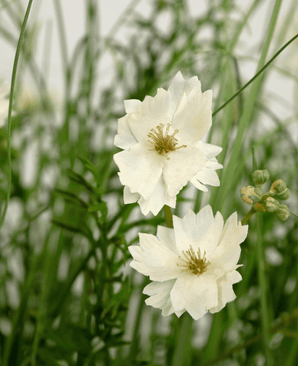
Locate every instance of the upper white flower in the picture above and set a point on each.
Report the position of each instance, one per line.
(192, 266)
(162, 148)
(4, 102)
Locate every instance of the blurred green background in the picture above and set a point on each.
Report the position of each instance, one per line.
(67, 293)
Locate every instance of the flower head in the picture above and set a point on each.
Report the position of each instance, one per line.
(192, 266)
(161, 138)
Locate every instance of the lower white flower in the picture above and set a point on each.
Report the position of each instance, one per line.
(161, 138)
(192, 266)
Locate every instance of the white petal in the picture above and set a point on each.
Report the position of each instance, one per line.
(225, 290)
(179, 295)
(167, 236)
(151, 113)
(198, 185)
(175, 91)
(125, 139)
(182, 238)
(194, 293)
(204, 295)
(131, 105)
(213, 164)
(182, 166)
(154, 259)
(192, 83)
(208, 176)
(189, 223)
(138, 170)
(193, 116)
(228, 250)
(158, 198)
(205, 218)
(160, 296)
(209, 150)
(130, 197)
(208, 243)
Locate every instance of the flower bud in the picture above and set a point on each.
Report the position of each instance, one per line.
(284, 195)
(271, 204)
(251, 194)
(278, 186)
(282, 213)
(260, 176)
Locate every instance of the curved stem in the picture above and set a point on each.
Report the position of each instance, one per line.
(256, 75)
(248, 216)
(13, 82)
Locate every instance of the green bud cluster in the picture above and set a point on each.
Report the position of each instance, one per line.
(267, 202)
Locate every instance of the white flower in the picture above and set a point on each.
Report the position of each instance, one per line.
(162, 148)
(4, 103)
(192, 266)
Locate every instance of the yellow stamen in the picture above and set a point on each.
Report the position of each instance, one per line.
(163, 143)
(194, 263)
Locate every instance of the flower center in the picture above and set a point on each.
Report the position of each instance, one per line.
(163, 143)
(195, 263)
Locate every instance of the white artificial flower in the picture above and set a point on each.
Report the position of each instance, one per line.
(162, 148)
(192, 266)
(4, 102)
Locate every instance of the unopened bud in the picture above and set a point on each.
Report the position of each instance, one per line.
(251, 194)
(284, 195)
(271, 204)
(278, 186)
(282, 213)
(260, 176)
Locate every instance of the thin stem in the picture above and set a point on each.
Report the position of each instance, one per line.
(13, 81)
(248, 216)
(62, 35)
(286, 320)
(168, 216)
(182, 351)
(256, 75)
(263, 287)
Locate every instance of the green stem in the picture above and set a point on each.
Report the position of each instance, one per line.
(13, 81)
(182, 353)
(256, 75)
(248, 216)
(226, 181)
(168, 216)
(286, 320)
(263, 287)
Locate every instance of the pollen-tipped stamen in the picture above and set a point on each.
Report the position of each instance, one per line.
(163, 143)
(195, 263)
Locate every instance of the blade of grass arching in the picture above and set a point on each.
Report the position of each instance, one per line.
(12, 345)
(257, 74)
(263, 286)
(226, 181)
(225, 66)
(287, 23)
(12, 87)
(61, 298)
(227, 120)
(47, 265)
(122, 19)
(47, 49)
(228, 176)
(182, 353)
(62, 35)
